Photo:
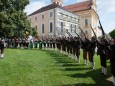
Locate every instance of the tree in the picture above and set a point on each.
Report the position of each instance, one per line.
(13, 21)
(112, 33)
(34, 32)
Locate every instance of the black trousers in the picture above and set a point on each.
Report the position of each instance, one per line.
(112, 63)
(103, 60)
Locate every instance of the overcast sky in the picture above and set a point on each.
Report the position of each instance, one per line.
(105, 8)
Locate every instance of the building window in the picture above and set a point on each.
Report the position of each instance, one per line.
(86, 32)
(62, 27)
(59, 23)
(51, 14)
(42, 16)
(86, 22)
(42, 28)
(51, 27)
(71, 27)
(66, 30)
(35, 18)
(75, 28)
(36, 27)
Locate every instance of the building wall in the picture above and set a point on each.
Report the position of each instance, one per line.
(67, 18)
(46, 21)
(92, 20)
(58, 16)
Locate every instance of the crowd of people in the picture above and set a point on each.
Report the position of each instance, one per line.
(71, 46)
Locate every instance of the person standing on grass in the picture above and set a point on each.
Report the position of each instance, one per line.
(77, 48)
(84, 47)
(1, 48)
(112, 59)
(91, 51)
(101, 51)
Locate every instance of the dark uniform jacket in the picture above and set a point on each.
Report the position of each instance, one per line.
(1, 44)
(85, 45)
(112, 47)
(101, 49)
(91, 46)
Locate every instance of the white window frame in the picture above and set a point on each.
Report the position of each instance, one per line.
(50, 13)
(51, 21)
(41, 29)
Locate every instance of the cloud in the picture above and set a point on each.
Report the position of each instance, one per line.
(106, 7)
(81, 0)
(106, 11)
(111, 6)
(66, 0)
(33, 6)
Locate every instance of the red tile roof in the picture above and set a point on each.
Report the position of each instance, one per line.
(71, 8)
(51, 6)
(79, 6)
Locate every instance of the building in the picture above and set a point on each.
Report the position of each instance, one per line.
(54, 20)
(87, 11)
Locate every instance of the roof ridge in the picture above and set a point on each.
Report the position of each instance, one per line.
(44, 8)
(79, 6)
(78, 3)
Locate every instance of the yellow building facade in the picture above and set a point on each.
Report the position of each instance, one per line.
(87, 11)
(54, 20)
(51, 20)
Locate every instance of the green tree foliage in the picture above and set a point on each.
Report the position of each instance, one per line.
(112, 33)
(13, 21)
(34, 32)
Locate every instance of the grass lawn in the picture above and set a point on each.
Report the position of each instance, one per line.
(48, 68)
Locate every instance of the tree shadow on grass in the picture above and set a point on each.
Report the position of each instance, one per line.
(82, 84)
(59, 58)
(70, 65)
(75, 69)
(95, 75)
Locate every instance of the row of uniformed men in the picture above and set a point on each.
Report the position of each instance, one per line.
(72, 46)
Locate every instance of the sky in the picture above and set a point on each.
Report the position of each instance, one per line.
(105, 9)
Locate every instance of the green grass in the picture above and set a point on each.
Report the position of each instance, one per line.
(47, 68)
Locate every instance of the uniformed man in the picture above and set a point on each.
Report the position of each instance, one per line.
(101, 51)
(1, 48)
(91, 51)
(84, 46)
(74, 47)
(44, 42)
(71, 46)
(77, 48)
(63, 45)
(54, 43)
(112, 59)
